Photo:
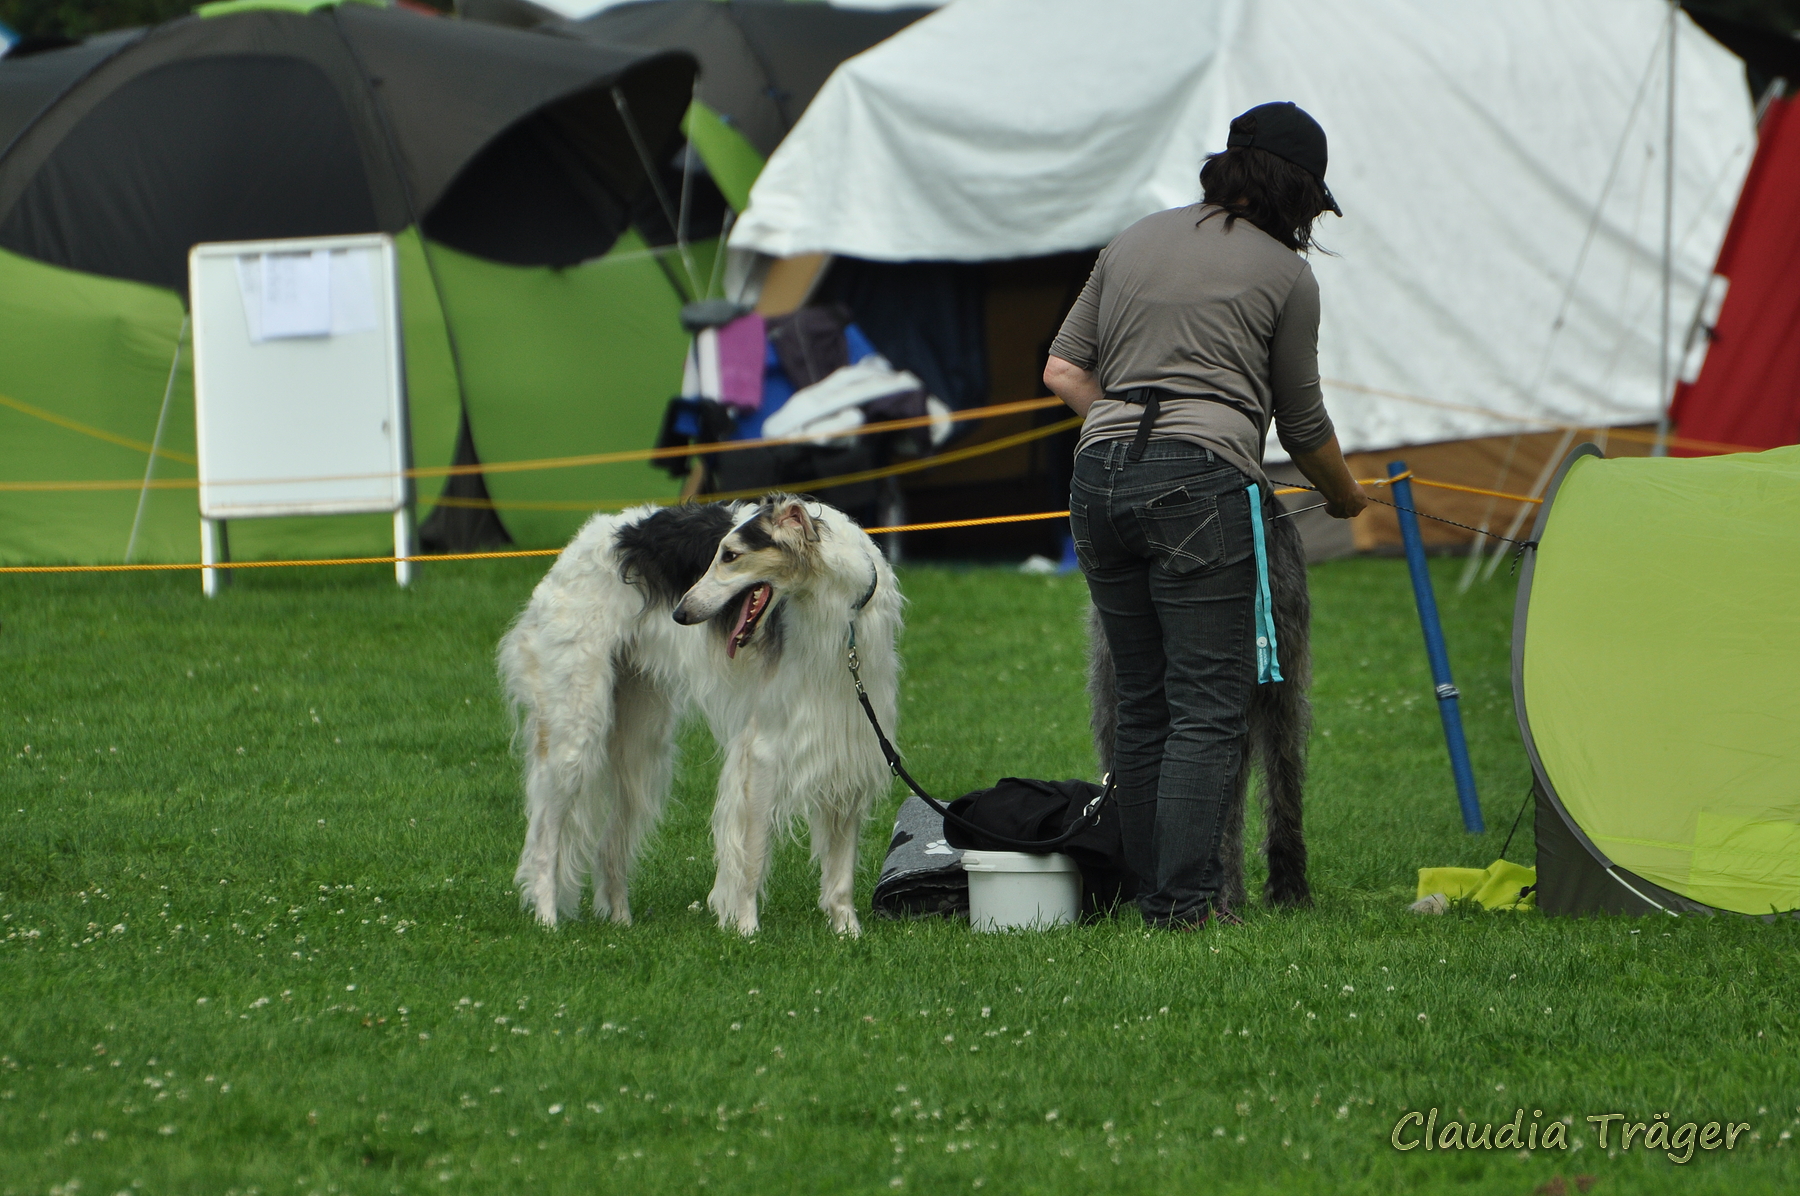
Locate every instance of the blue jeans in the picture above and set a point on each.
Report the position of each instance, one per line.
(1167, 548)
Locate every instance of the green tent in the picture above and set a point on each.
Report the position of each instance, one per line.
(1656, 647)
(510, 166)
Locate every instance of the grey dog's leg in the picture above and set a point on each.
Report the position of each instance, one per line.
(1231, 839)
(1281, 720)
(1103, 691)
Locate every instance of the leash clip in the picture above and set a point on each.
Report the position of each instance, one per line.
(855, 661)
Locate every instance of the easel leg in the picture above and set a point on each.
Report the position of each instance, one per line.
(403, 546)
(215, 548)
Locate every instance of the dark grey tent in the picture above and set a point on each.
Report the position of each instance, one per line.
(499, 159)
(122, 153)
(761, 61)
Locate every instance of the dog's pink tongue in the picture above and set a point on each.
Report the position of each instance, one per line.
(731, 644)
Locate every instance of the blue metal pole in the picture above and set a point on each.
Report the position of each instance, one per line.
(1449, 708)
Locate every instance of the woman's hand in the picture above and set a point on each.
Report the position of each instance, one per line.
(1348, 505)
(1325, 468)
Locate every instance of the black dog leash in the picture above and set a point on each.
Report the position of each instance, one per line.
(1089, 816)
(1519, 546)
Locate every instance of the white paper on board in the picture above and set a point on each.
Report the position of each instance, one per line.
(296, 294)
(353, 304)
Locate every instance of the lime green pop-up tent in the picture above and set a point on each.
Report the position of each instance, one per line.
(1656, 647)
(512, 169)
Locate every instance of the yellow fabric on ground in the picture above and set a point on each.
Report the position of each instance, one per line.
(1495, 887)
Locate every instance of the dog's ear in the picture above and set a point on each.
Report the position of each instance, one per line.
(792, 516)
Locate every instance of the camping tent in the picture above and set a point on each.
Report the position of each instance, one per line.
(504, 162)
(1741, 376)
(1747, 388)
(1500, 165)
(761, 64)
(1654, 652)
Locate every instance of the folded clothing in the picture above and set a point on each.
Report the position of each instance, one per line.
(725, 364)
(871, 380)
(922, 874)
(1500, 885)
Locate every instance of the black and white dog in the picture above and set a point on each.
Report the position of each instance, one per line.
(1280, 722)
(740, 610)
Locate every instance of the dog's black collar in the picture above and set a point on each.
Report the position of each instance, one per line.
(874, 580)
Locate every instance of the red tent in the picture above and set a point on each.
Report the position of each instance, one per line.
(1748, 390)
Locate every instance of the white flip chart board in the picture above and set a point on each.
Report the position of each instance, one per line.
(299, 379)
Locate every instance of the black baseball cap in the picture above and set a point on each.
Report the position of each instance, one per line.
(1284, 129)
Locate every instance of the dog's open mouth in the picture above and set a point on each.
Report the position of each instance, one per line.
(755, 605)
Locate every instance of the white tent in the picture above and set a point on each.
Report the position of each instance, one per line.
(1500, 164)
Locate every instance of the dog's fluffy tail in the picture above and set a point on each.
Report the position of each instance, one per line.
(1280, 723)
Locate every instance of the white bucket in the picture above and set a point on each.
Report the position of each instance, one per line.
(1014, 890)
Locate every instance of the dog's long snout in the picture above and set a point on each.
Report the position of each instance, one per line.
(681, 613)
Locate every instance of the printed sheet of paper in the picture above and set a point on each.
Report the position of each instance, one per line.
(353, 291)
(350, 294)
(296, 294)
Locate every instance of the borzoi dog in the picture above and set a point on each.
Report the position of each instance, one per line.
(611, 652)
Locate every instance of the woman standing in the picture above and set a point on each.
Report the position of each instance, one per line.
(1198, 328)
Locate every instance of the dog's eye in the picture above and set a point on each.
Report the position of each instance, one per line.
(728, 556)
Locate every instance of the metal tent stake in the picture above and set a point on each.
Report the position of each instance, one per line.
(1449, 708)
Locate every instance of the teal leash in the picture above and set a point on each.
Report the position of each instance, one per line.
(1268, 663)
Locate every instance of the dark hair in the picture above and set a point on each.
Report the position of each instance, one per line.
(1272, 193)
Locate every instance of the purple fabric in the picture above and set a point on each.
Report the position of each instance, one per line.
(743, 344)
(906, 404)
(811, 342)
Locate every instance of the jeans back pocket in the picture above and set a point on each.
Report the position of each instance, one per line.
(1184, 537)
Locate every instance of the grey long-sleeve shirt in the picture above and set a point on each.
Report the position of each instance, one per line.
(1230, 318)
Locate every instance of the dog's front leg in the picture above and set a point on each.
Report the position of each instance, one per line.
(741, 826)
(834, 836)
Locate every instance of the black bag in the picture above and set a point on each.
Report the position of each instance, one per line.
(1019, 808)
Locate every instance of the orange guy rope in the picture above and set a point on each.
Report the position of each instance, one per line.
(459, 556)
(621, 457)
(942, 525)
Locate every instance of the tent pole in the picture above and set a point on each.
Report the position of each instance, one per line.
(1525, 509)
(1663, 373)
(687, 178)
(662, 196)
(1476, 561)
(162, 418)
(1448, 699)
(1478, 547)
(712, 279)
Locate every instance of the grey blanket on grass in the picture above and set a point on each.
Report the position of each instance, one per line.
(922, 874)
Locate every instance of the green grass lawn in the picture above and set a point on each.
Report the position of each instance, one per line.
(257, 934)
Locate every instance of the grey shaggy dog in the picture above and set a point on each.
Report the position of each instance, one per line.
(1280, 722)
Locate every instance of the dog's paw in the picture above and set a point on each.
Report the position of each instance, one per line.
(1288, 893)
(844, 922)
